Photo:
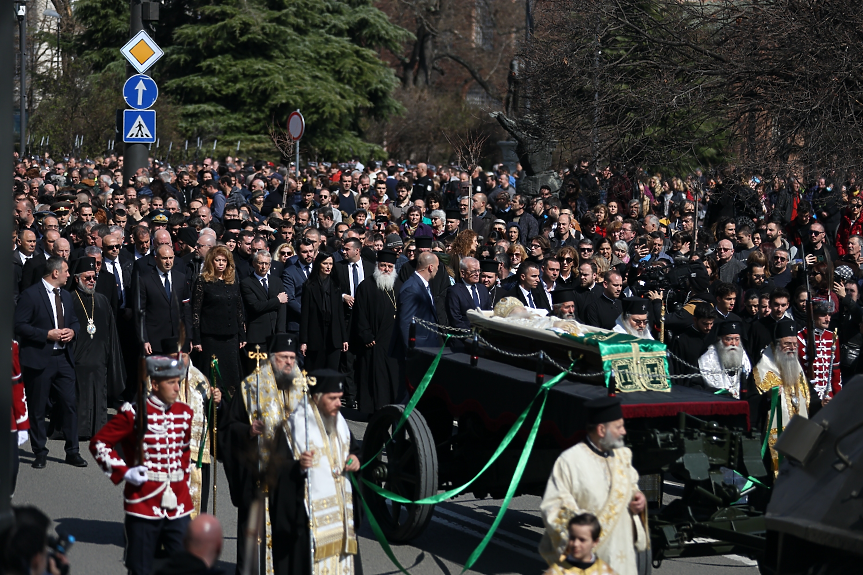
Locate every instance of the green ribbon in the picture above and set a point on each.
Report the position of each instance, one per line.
(516, 478)
(376, 529)
(415, 398)
(441, 497)
(774, 410)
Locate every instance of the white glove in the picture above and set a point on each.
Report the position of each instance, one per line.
(22, 437)
(136, 475)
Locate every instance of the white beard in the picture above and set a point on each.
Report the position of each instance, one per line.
(87, 290)
(608, 443)
(789, 366)
(730, 357)
(384, 281)
(642, 333)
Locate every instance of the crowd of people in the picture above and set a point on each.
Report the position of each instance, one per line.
(223, 261)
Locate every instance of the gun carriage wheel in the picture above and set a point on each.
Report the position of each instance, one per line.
(407, 466)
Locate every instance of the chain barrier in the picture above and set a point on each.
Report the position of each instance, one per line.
(444, 331)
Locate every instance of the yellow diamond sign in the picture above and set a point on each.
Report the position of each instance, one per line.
(141, 52)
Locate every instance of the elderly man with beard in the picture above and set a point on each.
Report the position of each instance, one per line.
(99, 369)
(633, 320)
(325, 448)
(596, 476)
(725, 365)
(253, 442)
(374, 318)
(563, 304)
(779, 375)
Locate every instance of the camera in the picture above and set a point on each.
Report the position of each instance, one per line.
(652, 277)
(60, 544)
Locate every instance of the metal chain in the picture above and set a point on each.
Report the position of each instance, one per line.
(447, 331)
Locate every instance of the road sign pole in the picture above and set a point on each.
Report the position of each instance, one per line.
(298, 167)
(134, 155)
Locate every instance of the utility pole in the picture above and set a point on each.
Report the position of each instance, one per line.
(7, 147)
(21, 13)
(135, 155)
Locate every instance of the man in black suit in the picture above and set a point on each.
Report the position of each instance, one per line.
(265, 304)
(243, 255)
(527, 290)
(466, 294)
(161, 302)
(45, 325)
(34, 268)
(277, 268)
(294, 279)
(194, 261)
(351, 271)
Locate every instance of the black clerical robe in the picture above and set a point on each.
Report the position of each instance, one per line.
(689, 345)
(99, 368)
(375, 372)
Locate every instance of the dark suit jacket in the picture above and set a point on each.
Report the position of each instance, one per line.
(342, 271)
(539, 299)
(265, 315)
(459, 300)
(294, 279)
(312, 332)
(32, 272)
(162, 317)
(34, 318)
(413, 301)
(106, 285)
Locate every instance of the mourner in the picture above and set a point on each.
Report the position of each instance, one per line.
(725, 365)
(633, 320)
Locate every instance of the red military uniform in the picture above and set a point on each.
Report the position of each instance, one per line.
(828, 379)
(20, 415)
(166, 456)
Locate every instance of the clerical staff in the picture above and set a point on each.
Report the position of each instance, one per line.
(307, 382)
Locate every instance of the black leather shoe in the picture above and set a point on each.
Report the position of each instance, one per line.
(76, 460)
(41, 461)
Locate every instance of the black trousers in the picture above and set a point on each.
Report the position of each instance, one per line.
(205, 487)
(346, 366)
(15, 463)
(144, 536)
(59, 375)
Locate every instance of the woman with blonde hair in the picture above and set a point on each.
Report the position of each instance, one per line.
(283, 252)
(217, 317)
(516, 254)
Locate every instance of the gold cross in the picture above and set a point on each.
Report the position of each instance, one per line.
(257, 355)
(304, 381)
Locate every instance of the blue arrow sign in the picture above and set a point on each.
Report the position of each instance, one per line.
(139, 126)
(140, 92)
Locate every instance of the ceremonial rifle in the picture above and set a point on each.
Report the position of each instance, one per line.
(810, 323)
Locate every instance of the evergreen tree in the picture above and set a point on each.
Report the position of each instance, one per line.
(240, 65)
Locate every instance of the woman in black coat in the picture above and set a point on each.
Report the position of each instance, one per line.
(217, 318)
(323, 331)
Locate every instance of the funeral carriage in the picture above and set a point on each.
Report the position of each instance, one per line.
(691, 441)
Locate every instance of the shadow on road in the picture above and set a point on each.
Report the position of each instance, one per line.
(93, 530)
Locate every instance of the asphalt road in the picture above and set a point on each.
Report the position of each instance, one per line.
(87, 505)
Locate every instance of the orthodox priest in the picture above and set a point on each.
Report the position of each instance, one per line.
(324, 446)
(99, 369)
(195, 392)
(596, 476)
(374, 317)
(779, 374)
(259, 461)
(725, 365)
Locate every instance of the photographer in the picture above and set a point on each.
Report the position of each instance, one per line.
(28, 549)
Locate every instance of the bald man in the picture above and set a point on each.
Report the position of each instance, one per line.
(203, 546)
(34, 268)
(416, 300)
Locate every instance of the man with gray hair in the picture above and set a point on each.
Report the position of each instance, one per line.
(467, 294)
(264, 300)
(633, 320)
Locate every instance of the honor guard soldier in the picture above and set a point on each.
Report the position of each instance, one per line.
(156, 497)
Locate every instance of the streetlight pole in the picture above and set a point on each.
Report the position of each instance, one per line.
(56, 15)
(21, 13)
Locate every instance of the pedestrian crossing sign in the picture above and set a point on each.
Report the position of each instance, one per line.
(139, 126)
(141, 51)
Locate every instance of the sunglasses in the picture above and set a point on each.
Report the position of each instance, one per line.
(567, 260)
(111, 246)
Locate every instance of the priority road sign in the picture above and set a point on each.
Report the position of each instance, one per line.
(140, 92)
(139, 126)
(141, 51)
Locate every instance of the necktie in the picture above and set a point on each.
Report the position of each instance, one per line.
(308, 270)
(118, 280)
(58, 303)
(431, 297)
(475, 297)
(356, 279)
(530, 300)
(264, 283)
(168, 286)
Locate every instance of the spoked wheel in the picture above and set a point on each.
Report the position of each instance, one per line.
(407, 466)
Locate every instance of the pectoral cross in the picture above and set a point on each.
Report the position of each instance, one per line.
(257, 355)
